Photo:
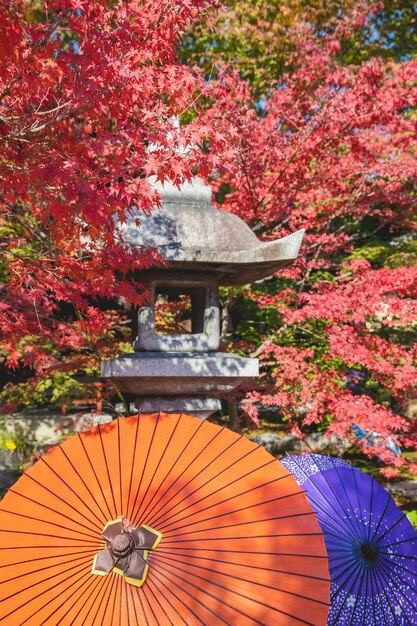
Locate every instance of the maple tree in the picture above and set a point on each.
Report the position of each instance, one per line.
(331, 150)
(86, 87)
(259, 38)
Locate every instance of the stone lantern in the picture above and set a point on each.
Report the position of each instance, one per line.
(204, 248)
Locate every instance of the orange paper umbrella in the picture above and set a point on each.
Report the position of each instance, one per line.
(160, 519)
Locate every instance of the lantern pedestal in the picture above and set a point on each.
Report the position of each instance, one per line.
(185, 382)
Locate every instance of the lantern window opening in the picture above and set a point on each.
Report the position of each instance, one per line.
(178, 311)
(183, 314)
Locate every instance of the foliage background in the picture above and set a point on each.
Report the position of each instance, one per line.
(299, 114)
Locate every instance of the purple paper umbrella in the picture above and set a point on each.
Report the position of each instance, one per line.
(371, 545)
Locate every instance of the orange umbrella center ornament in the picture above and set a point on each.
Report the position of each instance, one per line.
(126, 551)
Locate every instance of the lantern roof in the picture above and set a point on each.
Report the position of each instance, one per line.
(191, 234)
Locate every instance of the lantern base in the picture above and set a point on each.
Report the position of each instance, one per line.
(198, 406)
(158, 374)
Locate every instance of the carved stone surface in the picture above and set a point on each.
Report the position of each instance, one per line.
(199, 406)
(192, 234)
(205, 313)
(182, 374)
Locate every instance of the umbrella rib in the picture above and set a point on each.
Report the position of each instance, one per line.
(214, 478)
(216, 504)
(116, 593)
(343, 562)
(370, 511)
(58, 497)
(69, 487)
(385, 564)
(236, 524)
(55, 609)
(193, 597)
(149, 604)
(379, 574)
(44, 521)
(50, 556)
(83, 481)
(132, 464)
(268, 606)
(336, 534)
(266, 569)
(95, 475)
(36, 547)
(172, 467)
(365, 596)
(397, 543)
(139, 595)
(161, 548)
(400, 519)
(373, 582)
(206, 593)
(160, 513)
(377, 596)
(352, 521)
(402, 569)
(109, 595)
(126, 604)
(245, 580)
(404, 556)
(163, 521)
(325, 524)
(38, 583)
(381, 517)
(130, 589)
(347, 520)
(155, 426)
(347, 576)
(49, 508)
(107, 470)
(150, 590)
(238, 495)
(246, 537)
(323, 519)
(152, 585)
(362, 579)
(179, 600)
(108, 582)
(42, 569)
(333, 537)
(90, 592)
(24, 532)
(103, 590)
(354, 474)
(314, 500)
(352, 614)
(120, 468)
(393, 582)
(331, 543)
(358, 572)
(139, 514)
